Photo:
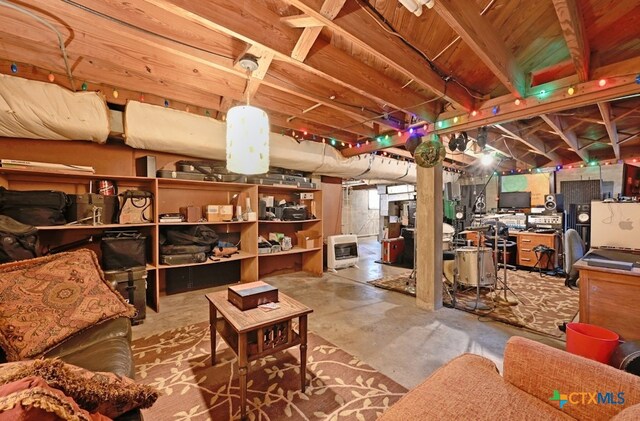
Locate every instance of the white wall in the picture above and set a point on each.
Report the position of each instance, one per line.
(357, 218)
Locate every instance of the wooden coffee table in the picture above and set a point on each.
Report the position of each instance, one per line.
(255, 333)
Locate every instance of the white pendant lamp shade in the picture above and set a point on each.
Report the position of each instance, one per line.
(247, 140)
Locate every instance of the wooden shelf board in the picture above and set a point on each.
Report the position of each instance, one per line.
(294, 250)
(289, 222)
(284, 187)
(240, 256)
(93, 227)
(216, 185)
(206, 223)
(49, 173)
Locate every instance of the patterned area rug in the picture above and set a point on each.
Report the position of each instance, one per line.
(543, 302)
(178, 362)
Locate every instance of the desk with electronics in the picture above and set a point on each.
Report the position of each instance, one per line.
(607, 269)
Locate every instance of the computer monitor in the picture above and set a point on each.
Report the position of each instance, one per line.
(514, 200)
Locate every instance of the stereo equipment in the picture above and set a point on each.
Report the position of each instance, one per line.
(552, 221)
(460, 212)
(554, 202)
(515, 222)
(583, 215)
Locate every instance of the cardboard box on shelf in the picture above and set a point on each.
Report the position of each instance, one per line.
(219, 213)
(309, 239)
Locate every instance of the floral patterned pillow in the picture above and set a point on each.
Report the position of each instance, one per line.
(32, 399)
(46, 300)
(97, 392)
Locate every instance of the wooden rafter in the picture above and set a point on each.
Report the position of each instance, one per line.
(464, 17)
(329, 9)
(355, 25)
(570, 18)
(531, 141)
(620, 82)
(262, 27)
(568, 136)
(610, 125)
(497, 142)
(300, 21)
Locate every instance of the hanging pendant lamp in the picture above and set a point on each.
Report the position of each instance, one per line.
(247, 132)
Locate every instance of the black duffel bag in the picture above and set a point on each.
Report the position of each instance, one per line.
(192, 235)
(34, 207)
(17, 241)
(123, 250)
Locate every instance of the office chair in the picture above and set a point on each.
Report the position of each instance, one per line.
(574, 249)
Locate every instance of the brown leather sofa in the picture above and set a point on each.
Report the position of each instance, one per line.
(104, 347)
(470, 387)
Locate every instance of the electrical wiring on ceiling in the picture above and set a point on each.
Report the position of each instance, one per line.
(50, 26)
(380, 19)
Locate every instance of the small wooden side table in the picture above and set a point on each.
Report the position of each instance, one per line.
(255, 333)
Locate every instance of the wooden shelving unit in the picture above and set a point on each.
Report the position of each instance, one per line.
(169, 196)
(308, 260)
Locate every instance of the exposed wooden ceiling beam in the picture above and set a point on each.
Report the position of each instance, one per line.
(400, 152)
(464, 17)
(610, 125)
(153, 19)
(300, 21)
(568, 136)
(531, 141)
(329, 9)
(620, 83)
(570, 18)
(262, 27)
(355, 25)
(498, 143)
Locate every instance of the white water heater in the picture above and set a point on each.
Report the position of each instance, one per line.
(342, 251)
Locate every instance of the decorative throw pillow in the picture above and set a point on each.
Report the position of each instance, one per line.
(32, 399)
(106, 393)
(46, 300)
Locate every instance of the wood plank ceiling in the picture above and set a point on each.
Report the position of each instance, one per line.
(354, 71)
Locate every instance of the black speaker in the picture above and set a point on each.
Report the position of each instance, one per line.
(583, 214)
(460, 212)
(554, 202)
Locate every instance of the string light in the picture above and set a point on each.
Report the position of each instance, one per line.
(455, 119)
(399, 134)
(387, 136)
(51, 77)
(411, 130)
(638, 79)
(166, 102)
(14, 68)
(425, 126)
(141, 97)
(602, 82)
(571, 90)
(207, 113)
(115, 93)
(358, 145)
(324, 140)
(343, 144)
(367, 142)
(517, 101)
(305, 132)
(440, 123)
(474, 113)
(495, 110)
(333, 142)
(84, 86)
(350, 145)
(187, 108)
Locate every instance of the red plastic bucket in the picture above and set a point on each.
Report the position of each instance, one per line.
(590, 341)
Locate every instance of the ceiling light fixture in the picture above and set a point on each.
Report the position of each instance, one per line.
(247, 131)
(486, 160)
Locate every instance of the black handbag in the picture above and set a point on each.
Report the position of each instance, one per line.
(17, 241)
(123, 250)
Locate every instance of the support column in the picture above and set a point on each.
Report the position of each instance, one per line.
(429, 238)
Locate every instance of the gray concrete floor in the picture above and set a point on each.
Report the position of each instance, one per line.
(383, 328)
